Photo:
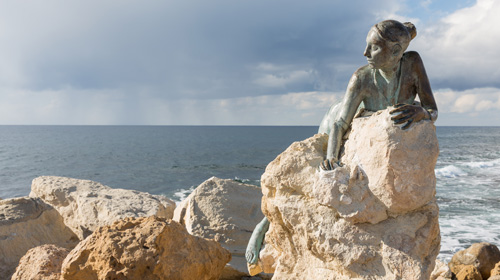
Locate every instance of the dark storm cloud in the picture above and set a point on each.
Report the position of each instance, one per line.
(189, 49)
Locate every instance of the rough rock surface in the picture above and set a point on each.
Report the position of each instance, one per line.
(26, 223)
(399, 164)
(266, 262)
(41, 263)
(496, 270)
(371, 224)
(469, 272)
(226, 211)
(86, 205)
(441, 271)
(145, 248)
(482, 255)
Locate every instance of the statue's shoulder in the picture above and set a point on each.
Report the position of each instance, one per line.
(363, 73)
(412, 57)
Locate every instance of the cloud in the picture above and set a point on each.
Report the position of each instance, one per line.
(179, 49)
(477, 106)
(220, 62)
(460, 50)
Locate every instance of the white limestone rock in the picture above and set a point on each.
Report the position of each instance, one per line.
(360, 221)
(347, 191)
(226, 211)
(399, 164)
(26, 223)
(86, 205)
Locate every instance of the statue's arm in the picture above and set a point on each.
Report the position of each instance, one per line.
(349, 106)
(424, 90)
(407, 113)
(255, 242)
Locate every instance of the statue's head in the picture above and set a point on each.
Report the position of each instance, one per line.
(387, 41)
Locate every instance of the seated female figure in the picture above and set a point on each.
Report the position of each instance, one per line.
(391, 78)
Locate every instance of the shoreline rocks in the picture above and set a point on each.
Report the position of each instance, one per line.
(41, 263)
(26, 223)
(87, 205)
(351, 230)
(226, 211)
(145, 248)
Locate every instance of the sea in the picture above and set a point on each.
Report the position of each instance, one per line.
(173, 160)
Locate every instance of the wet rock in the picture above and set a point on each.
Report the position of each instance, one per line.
(482, 255)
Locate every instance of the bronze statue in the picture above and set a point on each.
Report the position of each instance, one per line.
(392, 77)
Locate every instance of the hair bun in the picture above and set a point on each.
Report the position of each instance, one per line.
(411, 29)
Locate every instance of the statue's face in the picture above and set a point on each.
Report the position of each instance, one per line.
(378, 54)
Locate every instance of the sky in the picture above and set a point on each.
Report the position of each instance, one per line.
(230, 62)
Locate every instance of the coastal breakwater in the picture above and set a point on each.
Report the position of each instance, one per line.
(207, 243)
(80, 229)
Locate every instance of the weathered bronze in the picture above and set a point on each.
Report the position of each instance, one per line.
(255, 243)
(392, 77)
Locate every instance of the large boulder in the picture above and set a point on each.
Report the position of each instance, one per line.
(369, 219)
(26, 223)
(226, 211)
(41, 263)
(145, 248)
(399, 164)
(86, 205)
(484, 256)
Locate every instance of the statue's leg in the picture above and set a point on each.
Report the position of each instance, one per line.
(255, 242)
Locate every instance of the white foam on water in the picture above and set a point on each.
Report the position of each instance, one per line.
(450, 171)
(459, 232)
(483, 164)
(182, 194)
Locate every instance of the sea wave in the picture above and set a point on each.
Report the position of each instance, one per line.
(450, 171)
(483, 164)
(182, 194)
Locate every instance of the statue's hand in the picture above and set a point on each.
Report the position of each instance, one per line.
(407, 113)
(329, 164)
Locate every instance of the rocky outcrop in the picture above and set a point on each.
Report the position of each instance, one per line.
(86, 205)
(41, 263)
(469, 272)
(484, 256)
(226, 211)
(26, 223)
(145, 248)
(399, 164)
(496, 270)
(373, 218)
